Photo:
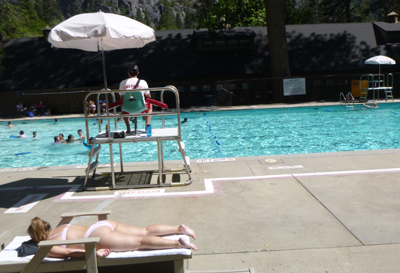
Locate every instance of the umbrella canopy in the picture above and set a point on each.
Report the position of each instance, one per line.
(378, 60)
(100, 32)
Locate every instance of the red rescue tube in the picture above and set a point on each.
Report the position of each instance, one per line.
(158, 103)
(115, 104)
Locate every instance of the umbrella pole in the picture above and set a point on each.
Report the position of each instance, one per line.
(104, 65)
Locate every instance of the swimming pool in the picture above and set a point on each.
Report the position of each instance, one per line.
(218, 134)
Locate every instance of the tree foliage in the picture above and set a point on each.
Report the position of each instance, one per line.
(49, 11)
(27, 18)
(233, 13)
(76, 7)
(147, 18)
(338, 11)
(17, 21)
(167, 20)
(381, 8)
(139, 16)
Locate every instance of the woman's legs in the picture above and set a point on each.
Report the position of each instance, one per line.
(152, 230)
(117, 241)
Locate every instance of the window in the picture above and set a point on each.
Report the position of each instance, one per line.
(317, 83)
(220, 43)
(208, 43)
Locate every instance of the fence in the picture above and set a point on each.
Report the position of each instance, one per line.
(61, 101)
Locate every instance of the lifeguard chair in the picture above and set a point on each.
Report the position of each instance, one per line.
(376, 84)
(143, 178)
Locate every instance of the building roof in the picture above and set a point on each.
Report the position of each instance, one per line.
(31, 63)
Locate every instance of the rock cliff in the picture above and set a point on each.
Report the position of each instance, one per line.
(153, 7)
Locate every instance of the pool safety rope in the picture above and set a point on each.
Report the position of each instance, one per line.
(214, 139)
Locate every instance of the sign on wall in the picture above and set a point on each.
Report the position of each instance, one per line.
(295, 86)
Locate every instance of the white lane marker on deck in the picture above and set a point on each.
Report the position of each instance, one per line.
(215, 160)
(208, 185)
(286, 167)
(26, 203)
(135, 193)
(211, 186)
(99, 166)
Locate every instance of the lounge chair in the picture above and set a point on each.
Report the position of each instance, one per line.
(10, 262)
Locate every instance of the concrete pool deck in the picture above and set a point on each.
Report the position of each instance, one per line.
(330, 212)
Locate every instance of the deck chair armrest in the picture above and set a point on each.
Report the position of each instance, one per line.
(45, 247)
(51, 243)
(66, 218)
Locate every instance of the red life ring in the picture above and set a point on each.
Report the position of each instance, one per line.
(158, 103)
(155, 102)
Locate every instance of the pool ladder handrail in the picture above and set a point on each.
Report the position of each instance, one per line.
(348, 100)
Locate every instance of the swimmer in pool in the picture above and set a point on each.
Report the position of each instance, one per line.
(184, 120)
(35, 136)
(56, 121)
(114, 236)
(21, 134)
(70, 139)
(61, 136)
(10, 125)
(374, 105)
(56, 140)
(81, 136)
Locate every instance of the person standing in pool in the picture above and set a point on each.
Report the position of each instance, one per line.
(81, 136)
(56, 140)
(35, 136)
(70, 139)
(133, 82)
(61, 136)
(10, 125)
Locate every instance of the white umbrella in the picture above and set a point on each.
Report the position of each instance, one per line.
(379, 60)
(101, 32)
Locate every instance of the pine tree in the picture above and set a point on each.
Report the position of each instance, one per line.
(49, 12)
(190, 19)
(167, 20)
(139, 16)
(178, 21)
(76, 7)
(124, 11)
(147, 18)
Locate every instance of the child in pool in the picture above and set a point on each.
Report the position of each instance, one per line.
(21, 134)
(81, 136)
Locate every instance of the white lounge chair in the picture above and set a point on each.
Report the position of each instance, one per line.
(10, 262)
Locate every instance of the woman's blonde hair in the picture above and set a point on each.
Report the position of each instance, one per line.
(38, 229)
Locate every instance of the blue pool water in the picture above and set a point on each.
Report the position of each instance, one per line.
(239, 133)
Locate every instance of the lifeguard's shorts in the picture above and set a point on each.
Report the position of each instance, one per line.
(148, 106)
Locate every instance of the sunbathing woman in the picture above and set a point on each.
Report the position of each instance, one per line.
(114, 236)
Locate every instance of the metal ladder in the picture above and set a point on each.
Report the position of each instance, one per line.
(388, 91)
(347, 100)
